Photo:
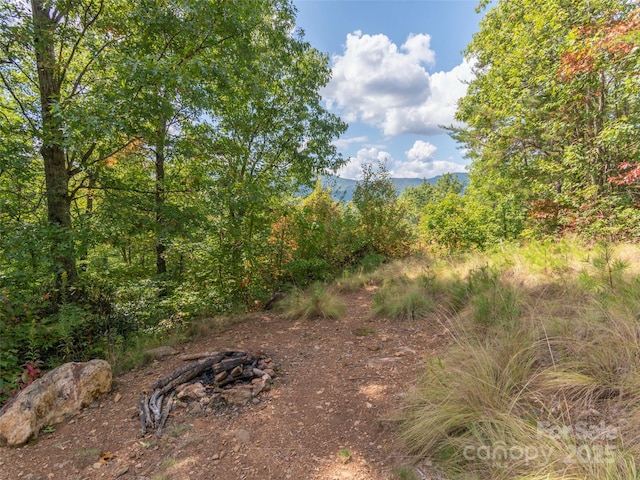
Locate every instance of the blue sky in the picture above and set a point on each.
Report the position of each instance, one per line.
(398, 70)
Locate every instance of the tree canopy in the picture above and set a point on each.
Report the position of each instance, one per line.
(551, 116)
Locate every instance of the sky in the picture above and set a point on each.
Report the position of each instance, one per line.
(398, 71)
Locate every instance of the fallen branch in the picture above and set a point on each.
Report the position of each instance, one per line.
(165, 414)
(185, 371)
(197, 356)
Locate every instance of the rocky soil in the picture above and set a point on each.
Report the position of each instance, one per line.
(327, 415)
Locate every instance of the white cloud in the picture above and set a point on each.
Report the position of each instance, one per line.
(380, 84)
(420, 162)
(343, 143)
(421, 151)
(418, 169)
(372, 155)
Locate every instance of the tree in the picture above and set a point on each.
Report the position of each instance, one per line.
(52, 75)
(537, 124)
(383, 217)
(269, 135)
(455, 223)
(419, 196)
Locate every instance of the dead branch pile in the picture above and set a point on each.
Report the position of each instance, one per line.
(217, 371)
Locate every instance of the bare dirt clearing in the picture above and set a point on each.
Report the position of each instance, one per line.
(324, 418)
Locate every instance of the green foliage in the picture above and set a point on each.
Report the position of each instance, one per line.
(455, 223)
(418, 197)
(344, 455)
(383, 225)
(547, 116)
(493, 302)
(405, 473)
(172, 144)
(314, 240)
(606, 268)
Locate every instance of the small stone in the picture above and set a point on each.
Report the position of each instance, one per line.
(270, 372)
(237, 396)
(194, 390)
(260, 386)
(121, 471)
(117, 398)
(236, 372)
(195, 408)
(243, 436)
(97, 465)
(379, 362)
(221, 376)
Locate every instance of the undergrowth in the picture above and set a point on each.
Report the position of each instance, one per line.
(542, 378)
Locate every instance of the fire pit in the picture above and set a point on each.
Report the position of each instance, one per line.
(230, 377)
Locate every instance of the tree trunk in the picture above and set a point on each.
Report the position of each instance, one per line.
(52, 150)
(161, 261)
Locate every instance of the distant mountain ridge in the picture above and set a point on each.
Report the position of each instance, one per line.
(342, 188)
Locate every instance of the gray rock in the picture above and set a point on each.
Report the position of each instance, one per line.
(50, 399)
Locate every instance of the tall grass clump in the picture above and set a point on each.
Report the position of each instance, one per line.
(467, 400)
(550, 388)
(315, 302)
(404, 298)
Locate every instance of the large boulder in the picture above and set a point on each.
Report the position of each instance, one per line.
(50, 399)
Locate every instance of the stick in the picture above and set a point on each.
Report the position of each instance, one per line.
(153, 405)
(143, 421)
(198, 356)
(165, 414)
(145, 410)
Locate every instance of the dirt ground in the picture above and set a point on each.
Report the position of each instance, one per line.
(326, 417)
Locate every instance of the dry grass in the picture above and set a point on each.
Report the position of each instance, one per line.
(543, 378)
(317, 301)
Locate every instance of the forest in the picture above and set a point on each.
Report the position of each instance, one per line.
(152, 154)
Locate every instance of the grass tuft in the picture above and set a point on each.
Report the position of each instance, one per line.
(404, 298)
(316, 302)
